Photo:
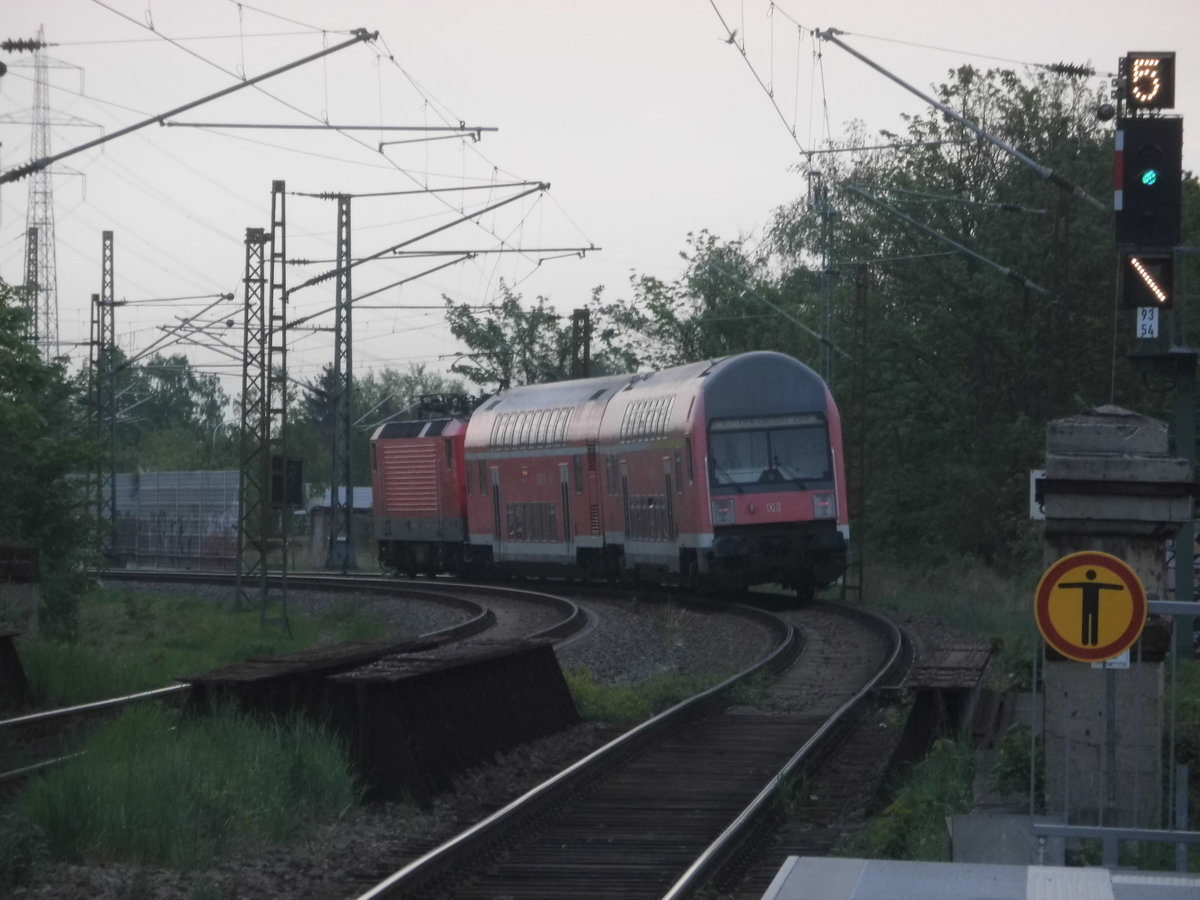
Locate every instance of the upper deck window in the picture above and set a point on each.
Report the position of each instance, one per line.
(530, 428)
(647, 419)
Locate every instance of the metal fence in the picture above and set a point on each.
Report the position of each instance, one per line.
(177, 519)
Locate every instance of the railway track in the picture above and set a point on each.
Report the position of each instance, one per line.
(500, 613)
(674, 803)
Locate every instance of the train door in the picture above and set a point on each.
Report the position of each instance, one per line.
(671, 533)
(593, 490)
(497, 520)
(623, 469)
(564, 483)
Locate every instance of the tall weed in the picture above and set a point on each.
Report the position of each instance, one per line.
(131, 641)
(156, 787)
(913, 826)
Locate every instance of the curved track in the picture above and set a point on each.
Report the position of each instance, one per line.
(502, 613)
(662, 808)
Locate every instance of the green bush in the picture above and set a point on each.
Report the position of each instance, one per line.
(157, 787)
(913, 826)
(1010, 774)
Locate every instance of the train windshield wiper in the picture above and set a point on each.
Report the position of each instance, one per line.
(728, 478)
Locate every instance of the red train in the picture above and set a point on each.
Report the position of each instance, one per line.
(724, 472)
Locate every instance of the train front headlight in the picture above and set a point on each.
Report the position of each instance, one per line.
(722, 512)
(824, 506)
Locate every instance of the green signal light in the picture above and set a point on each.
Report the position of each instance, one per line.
(1150, 177)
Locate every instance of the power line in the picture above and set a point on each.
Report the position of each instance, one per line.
(38, 165)
(962, 248)
(831, 35)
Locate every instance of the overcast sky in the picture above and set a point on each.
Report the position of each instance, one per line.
(644, 121)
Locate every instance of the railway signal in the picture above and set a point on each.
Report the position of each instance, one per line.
(1149, 80)
(1147, 279)
(1149, 181)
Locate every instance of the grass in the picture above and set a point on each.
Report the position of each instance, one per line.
(633, 702)
(972, 598)
(913, 826)
(158, 788)
(983, 603)
(132, 640)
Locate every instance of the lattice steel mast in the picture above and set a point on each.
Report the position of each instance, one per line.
(39, 214)
(341, 553)
(266, 479)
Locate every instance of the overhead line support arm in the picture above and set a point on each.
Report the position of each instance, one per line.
(37, 165)
(830, 34)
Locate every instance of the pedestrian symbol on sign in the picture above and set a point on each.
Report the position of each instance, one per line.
(1090, 614)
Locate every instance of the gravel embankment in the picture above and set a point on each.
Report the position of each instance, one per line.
(625, 642)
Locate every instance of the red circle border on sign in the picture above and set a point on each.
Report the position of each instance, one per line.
(1104, 561)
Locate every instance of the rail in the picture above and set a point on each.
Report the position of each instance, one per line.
(427, 868)
(721, 850)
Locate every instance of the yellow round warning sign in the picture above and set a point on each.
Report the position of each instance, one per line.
(1090, 606)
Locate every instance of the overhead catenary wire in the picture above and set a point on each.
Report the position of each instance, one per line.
(961, 248)
(39, 164)
(783, 312)
(831, 35)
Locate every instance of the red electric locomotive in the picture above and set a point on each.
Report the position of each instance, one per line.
(727, 471)
(418, 495)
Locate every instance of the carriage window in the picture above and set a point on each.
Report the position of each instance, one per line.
(787, 452)
(578, 474)
(467, 466)
(449, 454)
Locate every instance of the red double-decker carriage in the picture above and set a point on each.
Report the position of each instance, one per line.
(723, 472)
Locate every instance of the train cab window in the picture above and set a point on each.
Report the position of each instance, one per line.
(779, 452)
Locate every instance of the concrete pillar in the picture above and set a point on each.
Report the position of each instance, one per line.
(1110, 486)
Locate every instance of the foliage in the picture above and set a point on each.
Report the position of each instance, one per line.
(1187, 724)
(632, 702)
(131, 641)
(157, 787)
(168, 415)
(725, 302)
(964, 364)
(946, 366)
(44, 435)
(1010, 775)
(513, 345)
(913, 826)
(376, 398)
(991, 607)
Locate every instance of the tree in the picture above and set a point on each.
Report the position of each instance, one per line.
(964, 365)
(510, 345)
(724, 302)
(167, 414)
(43, 430)
(377, 398)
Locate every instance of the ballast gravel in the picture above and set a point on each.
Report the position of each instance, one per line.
(625, 641)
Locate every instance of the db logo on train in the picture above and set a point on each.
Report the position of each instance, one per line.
(1090, 606)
